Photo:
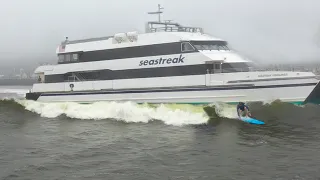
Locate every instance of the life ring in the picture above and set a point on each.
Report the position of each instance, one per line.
(71, 86)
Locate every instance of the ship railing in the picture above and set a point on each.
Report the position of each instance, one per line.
(71, 79)
(283, 69)
(176, 29)
(79, 77)
(75, 77)
(233, 70)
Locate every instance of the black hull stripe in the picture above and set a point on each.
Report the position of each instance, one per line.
(128, 52)
(106, 74)
(175, 90)
(184, 70)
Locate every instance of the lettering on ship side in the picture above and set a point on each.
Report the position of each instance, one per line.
(161, 60)
(269, 75)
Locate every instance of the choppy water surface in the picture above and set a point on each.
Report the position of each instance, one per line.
(129, 141)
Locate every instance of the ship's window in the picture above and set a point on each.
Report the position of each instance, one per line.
(211, 45)
(93, 75)
(186, 46)
(236, 67)
(61, 58)
(75, 57)
(71, 79)
(68, 57)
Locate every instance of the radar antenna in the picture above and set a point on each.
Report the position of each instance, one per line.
(159, 12)
(168, 21)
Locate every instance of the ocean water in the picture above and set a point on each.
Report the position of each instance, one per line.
(109, 140)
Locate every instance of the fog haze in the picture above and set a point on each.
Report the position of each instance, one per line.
(265, 31)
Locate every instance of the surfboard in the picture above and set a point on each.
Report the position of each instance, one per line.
(251, 120)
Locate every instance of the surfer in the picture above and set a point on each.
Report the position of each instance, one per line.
(243, 110)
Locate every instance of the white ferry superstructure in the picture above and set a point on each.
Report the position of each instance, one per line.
(169, 63)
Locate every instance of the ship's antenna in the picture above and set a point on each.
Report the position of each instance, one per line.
(159, 12)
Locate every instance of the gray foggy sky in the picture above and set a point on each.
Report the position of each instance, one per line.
(263, 30)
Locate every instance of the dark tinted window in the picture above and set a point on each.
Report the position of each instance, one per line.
(236, 67)
(186, 46)
(211, 45)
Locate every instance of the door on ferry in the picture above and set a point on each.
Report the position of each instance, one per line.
(217, 67)
(213, 68)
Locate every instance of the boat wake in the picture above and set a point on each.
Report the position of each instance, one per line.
(127, 112)
(130, 112)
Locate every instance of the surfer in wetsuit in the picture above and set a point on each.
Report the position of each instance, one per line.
(243, 109)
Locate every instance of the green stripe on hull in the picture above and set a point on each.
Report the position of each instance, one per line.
(297, 102)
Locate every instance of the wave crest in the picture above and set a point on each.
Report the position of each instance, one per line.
(127, 112)
(170, 114)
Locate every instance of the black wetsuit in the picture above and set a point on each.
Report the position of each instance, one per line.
(241, 107)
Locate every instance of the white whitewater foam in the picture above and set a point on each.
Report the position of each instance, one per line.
(127, 112)
(225, 110)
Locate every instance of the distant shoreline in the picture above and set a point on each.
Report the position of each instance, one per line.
(17, 82)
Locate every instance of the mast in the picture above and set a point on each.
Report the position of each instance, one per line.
(159, 12)
(167, 25)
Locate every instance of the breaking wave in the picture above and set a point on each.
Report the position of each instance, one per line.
(127, 112)
(130, 112)
(170, 114)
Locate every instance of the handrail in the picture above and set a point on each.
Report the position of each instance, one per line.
(79, 76)
(250, 69)
(176, 29)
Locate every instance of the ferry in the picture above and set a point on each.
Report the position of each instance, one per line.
(168, 63)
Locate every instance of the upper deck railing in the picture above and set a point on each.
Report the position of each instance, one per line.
(167, 25)
(170, 27)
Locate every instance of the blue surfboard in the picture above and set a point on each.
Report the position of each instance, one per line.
(251, 120)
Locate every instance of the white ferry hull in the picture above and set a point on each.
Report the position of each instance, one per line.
(285, 93)
(178, 65)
